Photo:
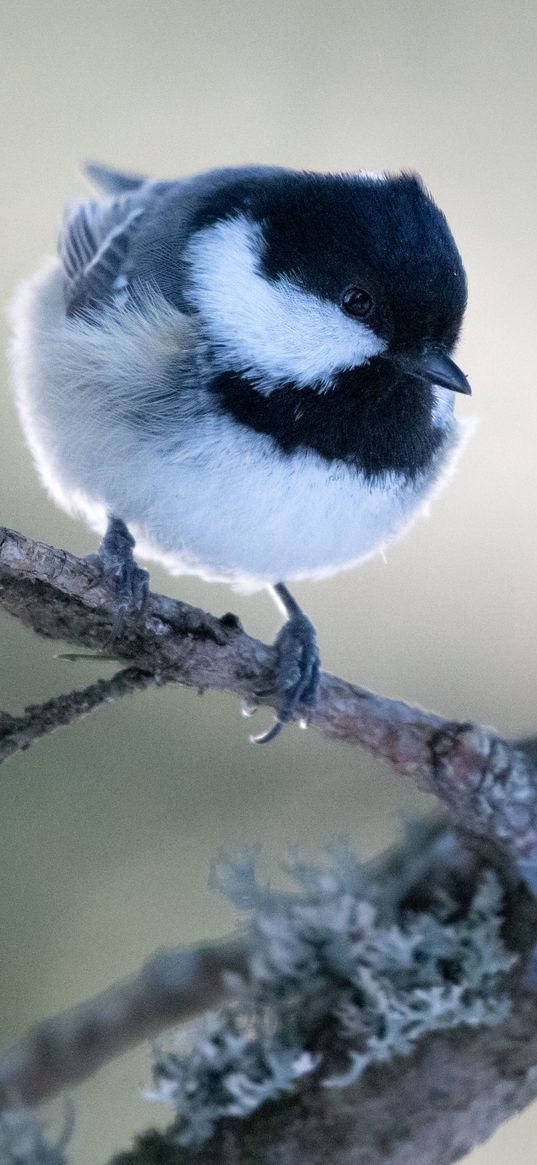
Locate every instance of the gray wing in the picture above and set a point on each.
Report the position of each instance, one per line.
(94, 245)
(142, 227)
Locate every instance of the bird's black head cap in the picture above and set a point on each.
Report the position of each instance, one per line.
(384, 234)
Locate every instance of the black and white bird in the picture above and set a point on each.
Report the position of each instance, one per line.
(249, 373)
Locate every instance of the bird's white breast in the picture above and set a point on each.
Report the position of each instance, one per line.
(259, 516)
(204, 495)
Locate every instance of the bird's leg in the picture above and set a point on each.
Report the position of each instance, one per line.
(297, 679)
(117, 561)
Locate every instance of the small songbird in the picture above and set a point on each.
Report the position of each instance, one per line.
(249, 373)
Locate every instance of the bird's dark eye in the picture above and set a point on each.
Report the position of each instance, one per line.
(356, 302)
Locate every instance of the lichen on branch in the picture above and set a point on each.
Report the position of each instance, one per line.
(344, 975)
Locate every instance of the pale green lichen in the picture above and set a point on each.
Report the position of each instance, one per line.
(344, 975)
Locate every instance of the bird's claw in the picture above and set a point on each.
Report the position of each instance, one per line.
(297, 679)
(270, 734)
(130, 581)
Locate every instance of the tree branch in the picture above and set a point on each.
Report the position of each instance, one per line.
(488, 784)
(457, 1087)
(170, 988)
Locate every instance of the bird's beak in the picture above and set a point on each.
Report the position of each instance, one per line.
(436, 367)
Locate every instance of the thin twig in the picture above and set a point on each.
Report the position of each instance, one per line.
(169, 989)
(19, 732)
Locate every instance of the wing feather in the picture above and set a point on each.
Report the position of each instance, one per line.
(94, 247)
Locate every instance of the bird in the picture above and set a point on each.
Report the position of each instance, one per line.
(247, 373)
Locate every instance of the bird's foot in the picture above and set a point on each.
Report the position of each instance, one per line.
(298, 672)
(131, 582)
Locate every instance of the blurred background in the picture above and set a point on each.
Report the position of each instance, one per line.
(108, 828)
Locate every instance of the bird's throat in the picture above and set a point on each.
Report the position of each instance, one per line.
(372, 418)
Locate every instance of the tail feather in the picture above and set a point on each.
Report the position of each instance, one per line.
(112, 181)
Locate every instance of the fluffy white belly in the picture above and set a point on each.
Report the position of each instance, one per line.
(253, 516)
(209, 497)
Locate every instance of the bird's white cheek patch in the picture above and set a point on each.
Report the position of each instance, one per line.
(271, 330)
